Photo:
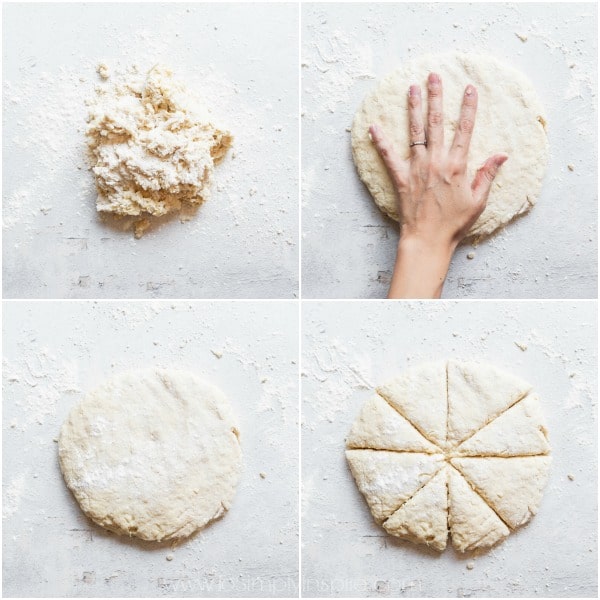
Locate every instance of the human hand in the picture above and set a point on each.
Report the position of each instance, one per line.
(437, 203)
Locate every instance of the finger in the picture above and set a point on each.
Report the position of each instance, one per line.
(435, 116)
(462, 136)
(482, 182)
(415, 122)
(397, 168)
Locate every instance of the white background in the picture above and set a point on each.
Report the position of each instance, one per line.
(242, 243)
(348, 246)
(349, 348)
(56, 352)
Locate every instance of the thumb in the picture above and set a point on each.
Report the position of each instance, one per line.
(395, 167)
(482, 182)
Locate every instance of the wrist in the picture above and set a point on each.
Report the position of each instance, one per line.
(433, 247)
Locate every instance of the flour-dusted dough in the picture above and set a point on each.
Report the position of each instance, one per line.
(388, 479)
(152, 454)
(477, 393)
(473, 524)
(520, 431)
(510, 119)
(152, 146)
(512, 486)
(423, 385)
(380, 427)
(492, 458)
(423, 518)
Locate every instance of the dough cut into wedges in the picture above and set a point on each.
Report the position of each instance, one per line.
(513, 486)
(423, 519)
(380, 427)
(477, 393)
(473, 524)
(520, 431)
(419, 394)
(388, 479)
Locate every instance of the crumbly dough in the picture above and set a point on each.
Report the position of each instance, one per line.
(478, 477)
(152, 146)
(152, 454)
(510, 119)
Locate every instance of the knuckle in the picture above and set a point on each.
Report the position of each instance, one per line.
(435, 118)
(414, 101)
(489, 174)
(466, 124)
(384, 151)
(457, 167)
(416, 129)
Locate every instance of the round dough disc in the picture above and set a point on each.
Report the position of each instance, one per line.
(509, 119)
(479, 479)
(152, 454)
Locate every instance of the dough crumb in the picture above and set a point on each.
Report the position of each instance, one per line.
(470, 565)
(217, 353)
(263, 475)
(521, 36)
(140, 227)
(571, 477)
(152, 146)
(170, 557)
(471, 255)
(103, 70)
(571, 167)
(521, 346)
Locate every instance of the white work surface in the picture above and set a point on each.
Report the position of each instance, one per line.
(56, 352)
(349, 349)
(348, 246)
(242, 243)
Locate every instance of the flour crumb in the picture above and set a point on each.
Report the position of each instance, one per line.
(521, 346)
(263, 475)
(571, 477)
(471, 255)
(571, 167)
(521, 36)
(470, 565)
(170, 557)
(217, 353)
(103, 70)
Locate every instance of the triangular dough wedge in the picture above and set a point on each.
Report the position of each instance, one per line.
(520, 431)
(423, 519)
(388, 479)
(419, 394)
(473, 524)
(513, 486)
(380, 427)
(477, 393)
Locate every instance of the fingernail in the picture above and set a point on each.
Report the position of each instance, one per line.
(470, 90)
(434, 78)
(414, 90)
